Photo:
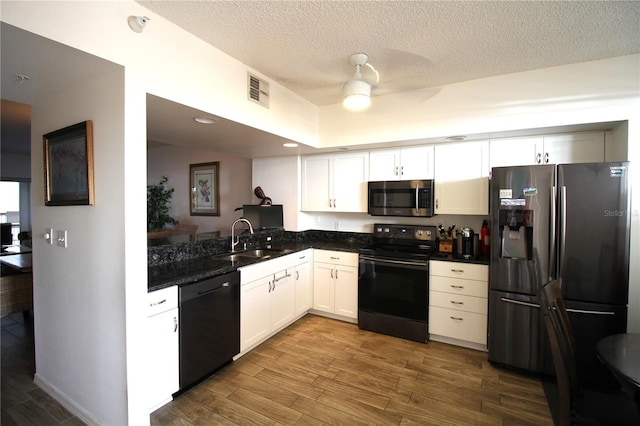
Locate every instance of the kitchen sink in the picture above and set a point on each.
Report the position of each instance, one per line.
(250, 254)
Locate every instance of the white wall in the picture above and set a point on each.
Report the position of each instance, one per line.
(79, 291)
(235, 183)
(279, 179)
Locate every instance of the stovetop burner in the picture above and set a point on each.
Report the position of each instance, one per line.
(417, 241)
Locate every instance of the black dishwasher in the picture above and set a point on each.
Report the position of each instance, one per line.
(209, 326)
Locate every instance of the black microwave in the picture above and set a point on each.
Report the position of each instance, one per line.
(413, 198)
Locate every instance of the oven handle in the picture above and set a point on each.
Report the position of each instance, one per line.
(395, 262)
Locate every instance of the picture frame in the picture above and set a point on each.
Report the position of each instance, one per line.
(204, 188)
(68, 166)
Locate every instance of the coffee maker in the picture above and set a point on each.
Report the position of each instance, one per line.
(467, 243)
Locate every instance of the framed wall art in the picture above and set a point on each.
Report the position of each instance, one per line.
(68, 166)
(205, 189)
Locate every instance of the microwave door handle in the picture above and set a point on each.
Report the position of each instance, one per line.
(417, 198)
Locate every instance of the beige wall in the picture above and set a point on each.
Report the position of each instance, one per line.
(235, 183)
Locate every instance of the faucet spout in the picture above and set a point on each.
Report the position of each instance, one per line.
(235, 240)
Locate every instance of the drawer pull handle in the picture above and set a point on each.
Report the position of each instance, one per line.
(457, 286)
(158, 303)
(458, 271)
(456, 318)
(457, 303)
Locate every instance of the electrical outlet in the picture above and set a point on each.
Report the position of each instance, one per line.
(61, 238)
(48, 235)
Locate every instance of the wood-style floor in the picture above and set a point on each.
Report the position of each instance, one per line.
(23, 402)
(322, 371)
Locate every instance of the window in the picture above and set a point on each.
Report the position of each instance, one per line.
(10, 211)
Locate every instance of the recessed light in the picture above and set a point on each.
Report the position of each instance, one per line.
(456, 138)
(205, 120)
(290, 145)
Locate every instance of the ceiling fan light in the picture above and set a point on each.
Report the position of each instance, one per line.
(357, 95)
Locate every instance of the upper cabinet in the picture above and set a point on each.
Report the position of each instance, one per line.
(586, 147)
(462, 178)
(335, 183)
(410, 163)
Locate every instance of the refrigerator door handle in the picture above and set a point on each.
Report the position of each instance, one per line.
(552, 235)
(518, 302)
(563, 229)
(582, 311)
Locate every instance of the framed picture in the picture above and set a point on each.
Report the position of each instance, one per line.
(205, 189)
(68, 166)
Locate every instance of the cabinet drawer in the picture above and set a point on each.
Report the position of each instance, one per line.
(458, 286)
(162, 300)
(468, 271)
(458, 302)
(335, 257)
(460, 325)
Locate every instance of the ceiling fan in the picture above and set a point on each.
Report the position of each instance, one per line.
(357, 91)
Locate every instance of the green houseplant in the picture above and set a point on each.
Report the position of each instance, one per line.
(158, 199)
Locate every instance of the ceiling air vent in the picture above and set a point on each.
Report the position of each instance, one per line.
(257, 90)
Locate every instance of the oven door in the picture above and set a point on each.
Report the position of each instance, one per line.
(393, 294)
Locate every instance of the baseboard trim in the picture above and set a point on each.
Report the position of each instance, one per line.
(64, 400)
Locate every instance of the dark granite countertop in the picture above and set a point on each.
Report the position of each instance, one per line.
(187, 260)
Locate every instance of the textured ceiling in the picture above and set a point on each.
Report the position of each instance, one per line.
(305, 45)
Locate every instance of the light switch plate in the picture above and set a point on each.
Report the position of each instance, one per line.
(61, 238)
(48, 235)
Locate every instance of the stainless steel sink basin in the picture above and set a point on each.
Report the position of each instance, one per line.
(250, 254)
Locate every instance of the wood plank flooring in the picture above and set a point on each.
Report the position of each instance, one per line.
(23, 402)
(322, 371)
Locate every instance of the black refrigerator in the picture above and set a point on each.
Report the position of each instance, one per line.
(570, 222)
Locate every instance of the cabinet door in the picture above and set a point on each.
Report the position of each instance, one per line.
(350, 177)
(316, 180)
(462, 178)
(346, 291)
(417, 163)
(574, 148)
(303, 288)
(254, 312)
(516, 152)
(323, 297)
(282, 299)
(163, 361)
(384, 164)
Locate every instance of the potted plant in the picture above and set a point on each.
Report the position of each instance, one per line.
(158, 199)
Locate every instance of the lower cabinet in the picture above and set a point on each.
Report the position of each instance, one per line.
(335, 283)
(275, 299)
(163, 346)
(458, 303)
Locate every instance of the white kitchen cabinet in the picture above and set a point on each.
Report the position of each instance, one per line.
(335, 183)
(458, 303)
(163, 346)
(587, 147)
(409, 163)
(462, 178)
(335, 283)
(303, 282)
(268, 299)
(583, 147)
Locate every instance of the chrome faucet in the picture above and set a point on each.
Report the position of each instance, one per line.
(236, 240)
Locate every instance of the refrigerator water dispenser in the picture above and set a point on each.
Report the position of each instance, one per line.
(516, 234)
